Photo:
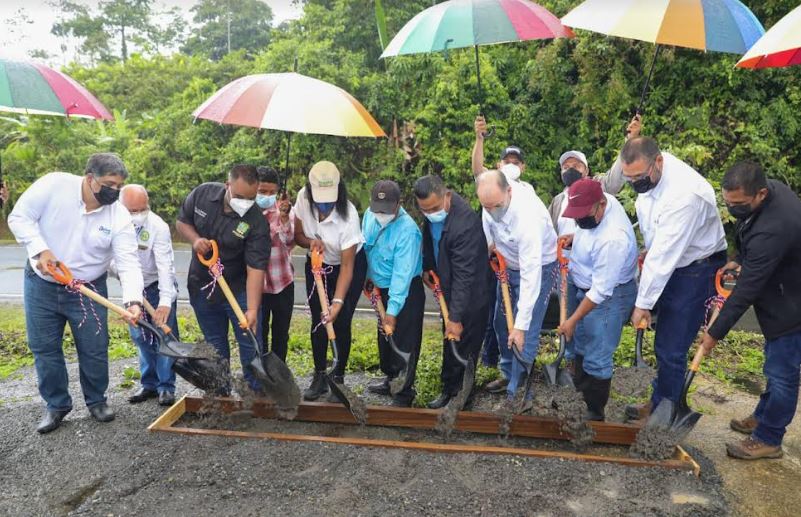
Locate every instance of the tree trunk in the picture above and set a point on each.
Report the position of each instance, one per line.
(124, 44)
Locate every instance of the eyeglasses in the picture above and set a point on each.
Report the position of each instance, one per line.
(642, 175)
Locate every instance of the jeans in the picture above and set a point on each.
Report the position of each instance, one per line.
(276, 313)
(597, 335)
(511, 367)
(681, 312)
(491, 351)
(48, 308)
(213, 319)
(156, 369)
(777, 404)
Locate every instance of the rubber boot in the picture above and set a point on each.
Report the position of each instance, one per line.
(318, 387)
(579, 375)
(596, 395)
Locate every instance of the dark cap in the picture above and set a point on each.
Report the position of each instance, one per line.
(385, 197)
(581, 197)
(512, 149)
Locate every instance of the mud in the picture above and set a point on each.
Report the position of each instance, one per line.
(447, 418)
(570, 410)
(654, 443)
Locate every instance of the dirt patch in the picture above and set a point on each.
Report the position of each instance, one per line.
(654, 443)
(632, 382)
(570, 410)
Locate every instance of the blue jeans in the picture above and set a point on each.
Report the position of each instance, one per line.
(511, 368)
(777, 404)
(598, 333)
(490, 353)
(214, 318)
(156, 369)
(48, 308)
(681, 307)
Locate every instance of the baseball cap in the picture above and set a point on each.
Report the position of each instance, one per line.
(578, 155)
(324, 179)
(581, 197)
(512, 149)
(385, 197)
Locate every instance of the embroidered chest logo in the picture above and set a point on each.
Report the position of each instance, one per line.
(105, 230)
(200, 212)
(241, 229)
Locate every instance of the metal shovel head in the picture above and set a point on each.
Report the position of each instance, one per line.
(639, 362)
(207, 374)
(397, 384)
(171, 347)
(277, 381)
(564, 379)
(447, 418)
(350, 400)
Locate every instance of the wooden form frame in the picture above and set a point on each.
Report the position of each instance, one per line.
(386, 416)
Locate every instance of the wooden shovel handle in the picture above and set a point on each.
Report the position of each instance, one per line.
(150, 310)
(443, 306)
(229, 295)
(382, 313)
(215, 255)
(63, 275)
(318, 281)
(563, 261)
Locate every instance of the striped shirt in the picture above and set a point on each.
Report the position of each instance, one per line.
(280, 272)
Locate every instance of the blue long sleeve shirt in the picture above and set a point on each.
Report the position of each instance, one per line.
(394, 256)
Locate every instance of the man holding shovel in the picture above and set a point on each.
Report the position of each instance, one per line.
(455, 248)
(77, 220)
(768, 239)
(603, 265)
(394, 265)
(517, 225)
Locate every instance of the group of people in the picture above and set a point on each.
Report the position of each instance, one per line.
(77, 220)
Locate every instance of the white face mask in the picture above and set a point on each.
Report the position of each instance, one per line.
(511, 171)
(140, 218)
(384, 219)
(238, 205)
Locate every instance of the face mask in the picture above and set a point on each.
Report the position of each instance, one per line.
(106, 195)
(570, 176)
(511, 171)
(587, 223)
(643, 185)
(498, 213)
(384, 219)
(139, 218)
(265, 202)
(740, 212)
(240, 206)
(437, 217)
(325, 208)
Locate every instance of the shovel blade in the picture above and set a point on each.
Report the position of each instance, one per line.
(350, 400)
(277, 381)
(207, 374)
(181, 350)
(551, 372)
(564, 379)
(683, 423)
(662, 416)
(399, 383)
(640, 363)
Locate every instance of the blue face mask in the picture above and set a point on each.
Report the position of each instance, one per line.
(437, 217)
(265, 202)
(325, 208)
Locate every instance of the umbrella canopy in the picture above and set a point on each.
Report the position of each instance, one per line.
(467, 23)
(35, 89)
(780, 46)
(289, 102)
(717, 25)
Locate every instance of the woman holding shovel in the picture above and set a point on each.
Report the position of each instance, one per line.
(603, 264)
(327, 222)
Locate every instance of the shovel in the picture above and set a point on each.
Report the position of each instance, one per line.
(639, 362)
(398, 383)
(498, 264)
(274, 375)
(679, 419)
(554, 373)
(350, 400)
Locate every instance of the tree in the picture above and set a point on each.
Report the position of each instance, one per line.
(228, 25)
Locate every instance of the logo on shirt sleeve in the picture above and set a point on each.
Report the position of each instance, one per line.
(241, 229)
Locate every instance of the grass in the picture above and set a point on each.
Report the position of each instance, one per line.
(737, 361)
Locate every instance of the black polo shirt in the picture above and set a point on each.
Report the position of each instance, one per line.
(242, 241)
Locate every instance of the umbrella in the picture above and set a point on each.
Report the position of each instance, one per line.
(470, 23)
(779, 47)
(716, 25)
(34, 89)
(289, 102)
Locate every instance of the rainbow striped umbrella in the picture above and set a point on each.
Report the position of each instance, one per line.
(779, 47)
(35, 89)
(716, 25)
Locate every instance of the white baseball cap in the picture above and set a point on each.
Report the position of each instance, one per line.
(324, 180)
(578, 155)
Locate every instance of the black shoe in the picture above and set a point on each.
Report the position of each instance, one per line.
(102, 412)
(142, 394)
(51, 420)
(401, 402)
(318, 387)
(166, 398)
(379, 387)
(440, 402)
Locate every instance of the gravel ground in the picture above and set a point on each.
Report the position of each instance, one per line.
(119, 468)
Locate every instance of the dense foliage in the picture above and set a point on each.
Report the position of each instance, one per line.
(546, 97)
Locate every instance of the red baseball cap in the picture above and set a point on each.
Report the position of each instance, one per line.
(581, 197)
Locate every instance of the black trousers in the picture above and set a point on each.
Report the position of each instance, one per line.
(408, 336)
(276, 313)
(475, 326)
(342, 325)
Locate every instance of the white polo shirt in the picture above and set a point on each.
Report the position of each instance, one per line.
(606, 256)
(336, 233)
(680, 224)
(51, 215)
(156, 257)
(526, 239)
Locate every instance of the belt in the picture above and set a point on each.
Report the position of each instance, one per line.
(718, 255)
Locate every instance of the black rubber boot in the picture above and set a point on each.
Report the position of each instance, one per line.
(596, 395)
(579, 376)
(318, 387)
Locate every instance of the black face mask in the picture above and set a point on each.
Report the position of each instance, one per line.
(587, 223)
(106, 195)
(570, 176)
(641, 186)
(740, 212)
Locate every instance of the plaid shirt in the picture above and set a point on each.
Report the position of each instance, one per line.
(280, 272)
